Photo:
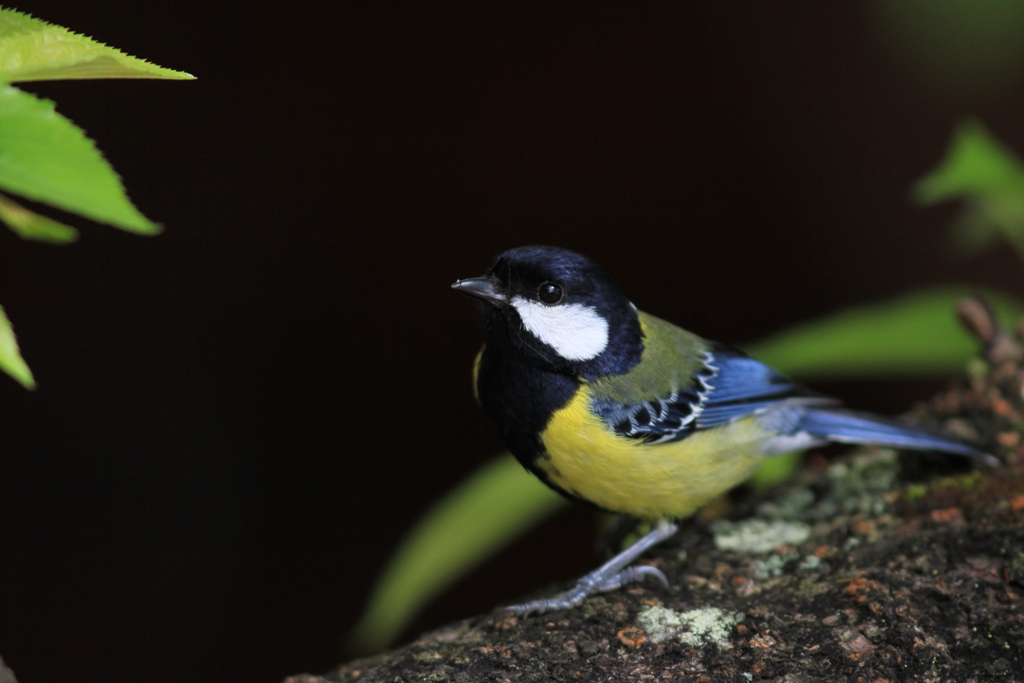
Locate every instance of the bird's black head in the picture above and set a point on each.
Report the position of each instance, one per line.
(558, 308)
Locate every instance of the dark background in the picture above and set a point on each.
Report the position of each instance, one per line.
(237, 420)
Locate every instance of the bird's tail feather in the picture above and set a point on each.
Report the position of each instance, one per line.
(847, 426)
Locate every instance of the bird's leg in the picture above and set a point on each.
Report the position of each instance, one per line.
(609, 576)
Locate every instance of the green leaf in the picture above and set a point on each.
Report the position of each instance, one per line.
(31, 226)
(989, 178)
(11, 361)
(33, 50)
(915, 334)
(48, 159)
(497, 503)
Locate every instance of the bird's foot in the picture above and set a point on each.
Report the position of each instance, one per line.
(591, 584)
(611, 575)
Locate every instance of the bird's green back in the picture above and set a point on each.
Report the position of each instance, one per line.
(670, 358)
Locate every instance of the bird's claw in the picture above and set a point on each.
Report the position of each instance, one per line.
(638, 573)
(590, 584)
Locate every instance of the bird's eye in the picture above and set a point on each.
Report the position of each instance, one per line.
(550, 292)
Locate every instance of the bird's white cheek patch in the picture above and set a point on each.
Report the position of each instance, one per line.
(575, 331)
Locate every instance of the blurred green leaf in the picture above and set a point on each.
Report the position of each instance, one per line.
(11, 361)
(915, 334)
(34, 50)
(484, 513)
(989, 178)
(776, 469)
(972, 45)
(48, 159)
(975, 164)
(31, 226)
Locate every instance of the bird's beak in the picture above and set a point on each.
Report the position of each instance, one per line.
(483, 288)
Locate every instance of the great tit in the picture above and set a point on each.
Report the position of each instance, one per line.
(612, 406)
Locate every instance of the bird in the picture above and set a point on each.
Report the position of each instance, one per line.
(617, 408)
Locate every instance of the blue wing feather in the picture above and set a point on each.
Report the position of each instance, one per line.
(730, 385)
(743, 386)
(738, 377)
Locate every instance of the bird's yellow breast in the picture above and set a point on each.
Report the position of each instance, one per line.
(586, 458)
